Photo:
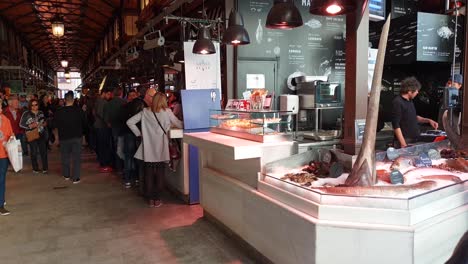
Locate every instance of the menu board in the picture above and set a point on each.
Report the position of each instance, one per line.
(317, 48)
(436, 34)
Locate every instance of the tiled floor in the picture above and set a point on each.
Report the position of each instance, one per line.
(98, 221)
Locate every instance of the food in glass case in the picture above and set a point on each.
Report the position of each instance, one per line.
(222, 116)
(238, 123)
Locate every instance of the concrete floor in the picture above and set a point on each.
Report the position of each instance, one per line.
(98, 221)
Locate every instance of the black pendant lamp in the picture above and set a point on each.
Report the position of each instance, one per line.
(235, 33)
(284, 15)
(331, 7)
(204, 45)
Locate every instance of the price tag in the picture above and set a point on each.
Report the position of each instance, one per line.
(423, 161)
(396, 177)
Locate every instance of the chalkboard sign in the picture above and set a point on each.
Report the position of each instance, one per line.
(317, 48)
(396, 177)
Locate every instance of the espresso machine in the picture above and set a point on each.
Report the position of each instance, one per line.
(319, 101)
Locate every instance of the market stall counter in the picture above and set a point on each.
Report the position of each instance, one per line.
(288, 222)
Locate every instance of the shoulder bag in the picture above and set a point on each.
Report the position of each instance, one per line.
(174, 152)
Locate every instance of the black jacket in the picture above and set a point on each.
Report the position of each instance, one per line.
(130, 109)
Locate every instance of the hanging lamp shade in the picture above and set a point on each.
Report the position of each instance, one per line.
(284, 15)
(235, 33)
(204, 45)
(64, 63)
(331, 7)
(58, 27)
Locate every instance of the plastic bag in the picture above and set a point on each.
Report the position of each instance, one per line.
(15, 153)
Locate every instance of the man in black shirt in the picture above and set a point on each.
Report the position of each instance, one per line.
(70, 122)
(405, 121)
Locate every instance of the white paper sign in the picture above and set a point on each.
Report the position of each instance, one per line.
(255, 81)
(202, 71)
(371, 66)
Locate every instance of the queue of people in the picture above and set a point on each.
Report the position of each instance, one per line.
(128, 135)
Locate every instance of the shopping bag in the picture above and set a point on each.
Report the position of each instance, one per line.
(15, 153)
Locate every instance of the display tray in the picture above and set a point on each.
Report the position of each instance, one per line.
(395, 207)
(247, 134)
(274, 174)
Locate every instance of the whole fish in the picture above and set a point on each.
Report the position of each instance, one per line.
(442, 177)
(401, 163)
(378, 190)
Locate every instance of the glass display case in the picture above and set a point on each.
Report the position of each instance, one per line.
(260, 126)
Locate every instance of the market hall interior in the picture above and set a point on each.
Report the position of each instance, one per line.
(98, 221)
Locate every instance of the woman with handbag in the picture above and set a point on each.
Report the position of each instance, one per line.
(156, 121)
(35, 125)
(5, 133)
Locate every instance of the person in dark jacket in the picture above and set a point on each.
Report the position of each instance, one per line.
(103, 134)
(129, 147)
(30, 120)
(405, 121)
(132, 108)
(70, 121)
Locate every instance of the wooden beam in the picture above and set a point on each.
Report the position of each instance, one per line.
(357, 39)
(14, 5)
(464, 113)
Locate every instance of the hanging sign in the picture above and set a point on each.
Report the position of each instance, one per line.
(202, 71)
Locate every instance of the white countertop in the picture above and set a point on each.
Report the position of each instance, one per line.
(236, 147)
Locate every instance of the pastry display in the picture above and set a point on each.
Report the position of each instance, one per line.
(222, 116)
(238, 123)
(266, 120)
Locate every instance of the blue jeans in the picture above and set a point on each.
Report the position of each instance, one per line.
(70, 151)
(3, 171)
(130, 166)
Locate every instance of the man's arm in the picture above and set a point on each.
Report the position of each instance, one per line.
(396, 118)
(433, 123)
(400, 137)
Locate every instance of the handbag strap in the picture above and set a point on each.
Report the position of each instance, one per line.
(159, 123)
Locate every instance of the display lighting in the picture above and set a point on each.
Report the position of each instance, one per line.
(64, 63)
(67, 74)
(235, 33)
(331, 7)
(203, 45)
(58, 28)
(284, 15)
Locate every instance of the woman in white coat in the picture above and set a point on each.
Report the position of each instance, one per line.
(154, 149)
